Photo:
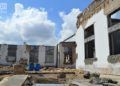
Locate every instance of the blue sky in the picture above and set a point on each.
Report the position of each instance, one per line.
(52, 7)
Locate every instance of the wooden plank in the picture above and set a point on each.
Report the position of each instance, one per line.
(34, 72)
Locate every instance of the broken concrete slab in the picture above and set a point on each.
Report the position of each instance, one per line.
(15, 80)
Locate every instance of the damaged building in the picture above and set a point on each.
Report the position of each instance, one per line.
(98, 36)
(67, 53)
(12, 54)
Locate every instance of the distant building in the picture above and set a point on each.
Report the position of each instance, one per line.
(11, 54)
(67, 53)
(98, 36)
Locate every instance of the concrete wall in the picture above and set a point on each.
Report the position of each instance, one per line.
(101, 41)
(3, 54)
(61, 55)
(42, 55)
(21, 52)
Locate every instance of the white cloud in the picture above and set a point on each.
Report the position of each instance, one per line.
(29, 25)
(69, 23)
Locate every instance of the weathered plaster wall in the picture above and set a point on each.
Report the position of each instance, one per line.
(42, 55)
(61, 55)
(101, 41)
(55, 55)
(80, 48)
(23, 53)
(3, 53)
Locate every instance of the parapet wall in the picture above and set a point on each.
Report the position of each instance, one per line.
(108, 6)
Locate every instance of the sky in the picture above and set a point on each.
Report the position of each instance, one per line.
(39, 22)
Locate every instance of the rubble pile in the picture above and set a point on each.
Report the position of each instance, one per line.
(19, 69)
(50, 69)
(6, 69)
(94, 78)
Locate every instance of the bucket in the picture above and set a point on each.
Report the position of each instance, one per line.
(31, 67)
(37, 67)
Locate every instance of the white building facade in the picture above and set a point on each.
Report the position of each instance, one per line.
(97, 45)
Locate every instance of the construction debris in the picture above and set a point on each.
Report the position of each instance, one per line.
(6, 70)
(87, 75)
(19, 69)
(103, 81)
(94, 78)
(15, 80)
